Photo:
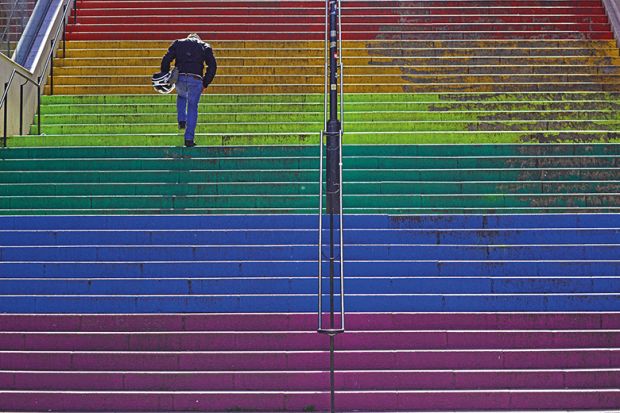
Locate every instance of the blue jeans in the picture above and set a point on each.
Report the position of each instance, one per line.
(189, 90)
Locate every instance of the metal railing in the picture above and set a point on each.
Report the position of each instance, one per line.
(612, 8)
(332, 329)
(331, 141)
(15, 19)
(4, 103)
(49, 63)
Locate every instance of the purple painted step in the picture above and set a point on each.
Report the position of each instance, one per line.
(304, 321)
(360, 340)
(313, 360)
(311, 380)
(298, 401)
(395, 362)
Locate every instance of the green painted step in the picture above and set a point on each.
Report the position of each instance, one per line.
(138, 120)
(350, 210)
(377, 115)
(487, 150)
(312, 187)
(379, 201)
(309, 162)
(362, 97)
(283, 179)
(594, 106)
(312, 138)
(292, 126)
(303, 150)
(311, 175)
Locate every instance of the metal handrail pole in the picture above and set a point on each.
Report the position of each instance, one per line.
(341, 242)
(21, 108)
(326, 71)
(39, 107)
(6, 113)
(51, 55)
(341, 74)
(5, 101)
(320, 308)
(64, 31)
(341, 67)
(52, 69)
(75, 8)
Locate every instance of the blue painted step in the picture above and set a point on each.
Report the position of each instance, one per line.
(308, 236)
(268, 263)
(310, 222)
(307, 303)
(307, 285)
(308, 252)
(422, 268)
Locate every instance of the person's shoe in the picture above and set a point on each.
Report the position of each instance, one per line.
(181, 124)
(190, 144)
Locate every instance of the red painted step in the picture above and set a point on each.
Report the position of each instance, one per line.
(347, 11)
(370, 21)
(352, 4)
(309, 27)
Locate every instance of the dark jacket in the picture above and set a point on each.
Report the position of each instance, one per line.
(190, 56)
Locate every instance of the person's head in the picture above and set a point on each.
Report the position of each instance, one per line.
(194, 36)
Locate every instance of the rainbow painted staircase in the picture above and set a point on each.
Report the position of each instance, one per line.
(481, 182)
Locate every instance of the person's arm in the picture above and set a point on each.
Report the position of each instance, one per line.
(170, 55)
(211, 67)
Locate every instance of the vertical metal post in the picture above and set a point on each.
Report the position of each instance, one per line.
(75, 8)
(6, 112)
(39, 106)
(333, 124)
(21, 109)
(64, 32)
(52, 69)
(333, 191)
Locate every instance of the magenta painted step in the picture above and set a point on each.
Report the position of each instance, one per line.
(310, 380)
(278, 362)
(305, 321)
(298, 401)
(313, 360)
(309, 340)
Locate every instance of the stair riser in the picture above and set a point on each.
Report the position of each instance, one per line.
(306, 269)
(307, 341)
(320, 401)
(396, 360)
(308, 381)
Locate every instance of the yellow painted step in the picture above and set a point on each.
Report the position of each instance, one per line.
(228, 89)
(373, 78)
(551, 43)
(316, 68)
(301, 70)
(219, 53)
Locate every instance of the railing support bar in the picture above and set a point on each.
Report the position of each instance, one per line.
(21, 108)
(39, 107)
(6, 112)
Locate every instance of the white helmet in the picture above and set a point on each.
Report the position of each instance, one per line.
(162, 82)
